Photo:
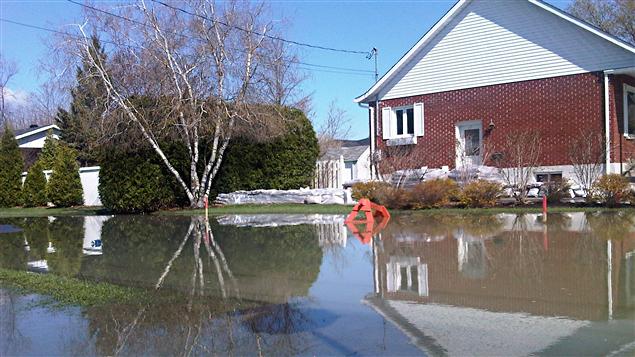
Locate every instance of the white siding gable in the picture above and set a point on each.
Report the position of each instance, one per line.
(492, 42)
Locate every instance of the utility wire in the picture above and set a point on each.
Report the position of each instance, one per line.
(297, 43)
(189, 37)
(328, 69)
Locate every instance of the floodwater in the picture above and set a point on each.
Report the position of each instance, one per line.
(502, 284)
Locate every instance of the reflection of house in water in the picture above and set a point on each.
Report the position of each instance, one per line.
(514, 287)
(91, 245)
(92, 234)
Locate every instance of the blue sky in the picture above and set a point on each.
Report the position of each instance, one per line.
(390, 26)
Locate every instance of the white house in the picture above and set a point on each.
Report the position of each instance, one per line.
(345, 164)
(34, 136)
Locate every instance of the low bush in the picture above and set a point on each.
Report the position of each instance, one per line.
(556, 190)
(64, 188)
(34, 190)
(393, 197)
(434, 193)
(481, 193)
(611, 190)
(368, 190)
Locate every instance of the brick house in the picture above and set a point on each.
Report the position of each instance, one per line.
(489, 68)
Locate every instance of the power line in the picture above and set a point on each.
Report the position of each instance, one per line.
(277, 38)
(332, 69)
(189, 37)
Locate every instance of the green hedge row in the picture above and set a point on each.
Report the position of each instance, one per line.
(137, 181)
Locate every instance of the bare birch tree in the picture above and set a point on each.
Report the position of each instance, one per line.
(517, 159)
(586, 154)
(201, 63)
(334, 127)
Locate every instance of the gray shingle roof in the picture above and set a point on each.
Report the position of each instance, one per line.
(351, 153)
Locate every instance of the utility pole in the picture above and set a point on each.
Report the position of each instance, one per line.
(372, 124)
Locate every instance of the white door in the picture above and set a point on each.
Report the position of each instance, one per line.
(469, 144)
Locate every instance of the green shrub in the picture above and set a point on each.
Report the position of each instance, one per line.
(130, 183)
(434, 193)
(286, 162)
(34, 190)
(11, 166)
(368, 190)
(612, 190)
(481, 193)
(64, 188)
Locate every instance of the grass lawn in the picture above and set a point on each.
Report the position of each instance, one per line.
(213, 211)
(287, 208)
(295, 208)
(44, 211)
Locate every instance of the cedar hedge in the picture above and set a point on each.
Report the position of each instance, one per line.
(64, 188)
(34, 190)
(11, 165)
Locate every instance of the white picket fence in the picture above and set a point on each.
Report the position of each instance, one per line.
(329, 173)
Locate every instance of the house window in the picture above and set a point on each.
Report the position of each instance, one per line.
(629, 111)
(405, 118)
(402, 125)
(549, 177)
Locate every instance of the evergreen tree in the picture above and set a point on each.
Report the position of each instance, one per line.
(47, 156)
(11, 166)
(65, 187)
(34, 191)
(87, 105)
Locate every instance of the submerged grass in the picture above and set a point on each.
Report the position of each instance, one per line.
(71, 291)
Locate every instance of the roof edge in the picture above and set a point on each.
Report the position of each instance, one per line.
(438, 26)
(37, 130)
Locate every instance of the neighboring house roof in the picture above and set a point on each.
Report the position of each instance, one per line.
(350, 153)
(23, 133)
(612, 53)
(360, 142)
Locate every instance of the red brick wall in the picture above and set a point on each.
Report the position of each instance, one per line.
(555, 107)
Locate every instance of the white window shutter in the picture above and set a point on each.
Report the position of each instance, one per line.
(419, 121)
(386, 123)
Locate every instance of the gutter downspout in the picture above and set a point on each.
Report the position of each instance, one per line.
(607, 124)
(371, 135)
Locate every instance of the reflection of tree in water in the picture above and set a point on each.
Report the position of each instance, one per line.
(527, 248)
(66, 234)
(12, 252)
(207, 276)
(36, 233)
(9, 333)
(610, 225)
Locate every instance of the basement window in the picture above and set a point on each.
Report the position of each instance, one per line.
(549, 177)
(629, 111)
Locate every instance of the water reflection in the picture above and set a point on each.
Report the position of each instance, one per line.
(291, 284)
(509, 284)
